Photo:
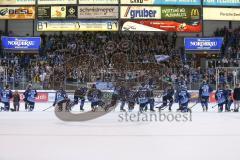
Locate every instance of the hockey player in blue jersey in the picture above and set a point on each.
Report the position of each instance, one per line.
(95, 97)
(183, 98)
(80, 94)
(6, 95)
(61, 98)
(151, 100)
(142, 97)
(221, 97)
(168, 94)
(30, 96)
(204, 93)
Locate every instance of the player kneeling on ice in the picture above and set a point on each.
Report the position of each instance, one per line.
(6, 95)
(94, 96)
(204, 93)
(80, 94)
(62, 98)
(168, 94)
(221, 98)
(142, 97)
(30, 96)
(183, 98)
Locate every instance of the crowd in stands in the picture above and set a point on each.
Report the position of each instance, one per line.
(88, 56)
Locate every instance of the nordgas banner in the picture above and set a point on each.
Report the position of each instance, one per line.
(17, 13)
(57, 2)
(206, 44)
(225, 14)
(232, 3)
(78, 25)
(17, 2)
(98, 12)
(98, 1)
(21, 43)
(162, 2)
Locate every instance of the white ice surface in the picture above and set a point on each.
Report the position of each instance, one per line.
(41, 136)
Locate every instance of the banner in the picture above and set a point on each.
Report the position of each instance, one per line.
(58, 12)
(140, 12)
(17, 12)
(21, 43)
(225, 14)
(57, 2)
(161, 58)
(98, 1)
(17, 2)
(164, 26)
(98, 12)
(208, 44)
(180, 13)
(162, 2)
(231, 3)
(44, 12)
(78, 25)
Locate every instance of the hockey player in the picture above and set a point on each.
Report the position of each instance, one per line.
(229, 100)
(151, 100)
(122, 97)
(168, 94)
(61, 97)
(142, 97)
(130, 98)
(236, 97)
(204, 93)
(115, 97)
(25, 96)
(95, 97)
(6, 95)
(30, 96)
(80, 94)
(183, 98)
(221, 97)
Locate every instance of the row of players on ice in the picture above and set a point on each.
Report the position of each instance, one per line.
(143, 96)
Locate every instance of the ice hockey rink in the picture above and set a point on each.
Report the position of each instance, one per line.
(40, 135)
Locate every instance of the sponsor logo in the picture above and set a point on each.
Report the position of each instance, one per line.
(20, 42)
(195, 14)
(138, 1)
(129, 28)
(203, 44)
(71, 10)
(105, 11)
(14, 11)
(58, 12)
(140, 13)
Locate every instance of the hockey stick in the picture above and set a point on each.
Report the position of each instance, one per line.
(193, 105)
(47, 108)
(214, 106)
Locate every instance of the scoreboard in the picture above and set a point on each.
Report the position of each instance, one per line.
(120, 15)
